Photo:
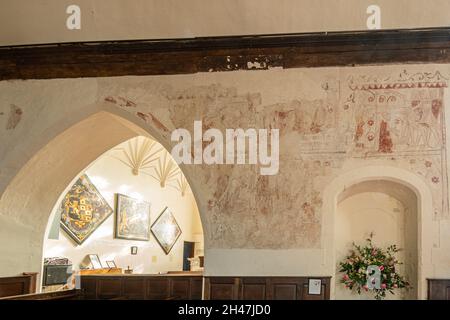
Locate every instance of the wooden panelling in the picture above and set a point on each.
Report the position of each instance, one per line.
(157, 288)
(284, 291)
(212, 54)
(33, 280)
(223, 291)
(146, 287)
(264, 288)
(179, 288)
(12, 286)
(222, 288)
(196, 288)
(438, 289)
(12, 289)
(89, 286)
(134, 289)
(284, 288)
(188, 287)
(109, 288)
(253, 288)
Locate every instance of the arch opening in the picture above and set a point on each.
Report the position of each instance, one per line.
(30, 197)
(386, 210)
(407, 186)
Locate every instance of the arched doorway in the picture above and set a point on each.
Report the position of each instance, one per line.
(29, 197)
(335, 191)
(387, 211)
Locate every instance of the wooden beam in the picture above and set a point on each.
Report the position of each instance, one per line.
(261, 52)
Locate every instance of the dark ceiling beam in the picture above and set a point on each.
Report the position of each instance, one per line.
(212, 54)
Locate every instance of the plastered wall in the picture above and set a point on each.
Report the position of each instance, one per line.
(26, 22)
(336, 125)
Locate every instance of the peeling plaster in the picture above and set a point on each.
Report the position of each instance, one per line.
(15, 115)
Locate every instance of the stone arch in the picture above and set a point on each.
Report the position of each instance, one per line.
(387, 173)
(53, 160)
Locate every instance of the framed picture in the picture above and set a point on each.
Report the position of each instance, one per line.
(132, 219)
(83, 210)
(95, 261)
(134, 250)
(166, 230)
(315, 286)
(111, 264)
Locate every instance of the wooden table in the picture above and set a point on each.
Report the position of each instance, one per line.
(101, 271)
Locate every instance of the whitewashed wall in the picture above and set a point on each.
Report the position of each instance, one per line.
(254, 225)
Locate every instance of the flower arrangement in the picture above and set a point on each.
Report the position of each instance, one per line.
(360, 258)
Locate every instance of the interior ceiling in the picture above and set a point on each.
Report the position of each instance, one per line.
(394, 189)
(32, 22)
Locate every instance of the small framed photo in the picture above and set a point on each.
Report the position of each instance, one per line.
(134, 250)
(315, 286)
(111, 264)
(95, 261)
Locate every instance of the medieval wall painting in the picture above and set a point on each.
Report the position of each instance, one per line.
(402, 120)
(352, 117)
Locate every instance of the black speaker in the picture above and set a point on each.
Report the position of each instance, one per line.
(56, 274)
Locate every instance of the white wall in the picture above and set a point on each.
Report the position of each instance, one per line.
(25, 22)
(111, 176)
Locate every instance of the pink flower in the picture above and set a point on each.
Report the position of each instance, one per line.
(381, 268)
(365, 287)
(383, 286)
(395, 285)
(345, 277)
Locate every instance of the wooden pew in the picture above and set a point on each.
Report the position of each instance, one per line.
(438, 289)
(74, 294)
